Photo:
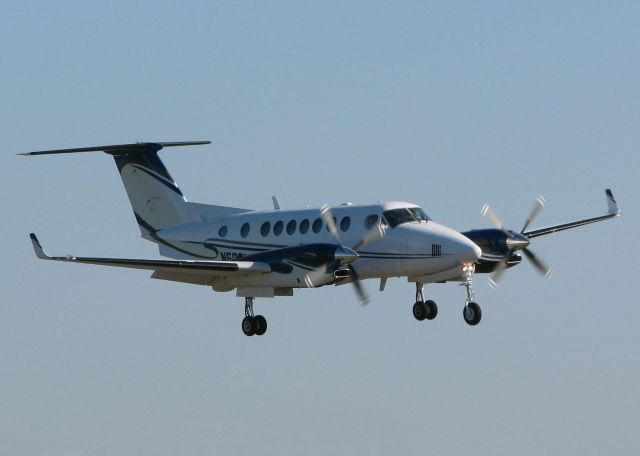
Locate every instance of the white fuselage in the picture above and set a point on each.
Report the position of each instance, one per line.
(412, 248)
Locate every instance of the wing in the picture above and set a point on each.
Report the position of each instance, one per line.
(188, 271)
(612, 212)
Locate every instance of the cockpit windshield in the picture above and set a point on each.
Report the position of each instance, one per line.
(397, 217)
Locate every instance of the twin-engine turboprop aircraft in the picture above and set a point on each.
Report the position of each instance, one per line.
(269, 253)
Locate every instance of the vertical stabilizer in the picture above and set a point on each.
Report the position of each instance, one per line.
(156, 199)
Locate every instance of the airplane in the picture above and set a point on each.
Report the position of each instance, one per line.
(269, 253)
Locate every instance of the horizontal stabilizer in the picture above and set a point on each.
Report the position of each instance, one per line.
(120, 149)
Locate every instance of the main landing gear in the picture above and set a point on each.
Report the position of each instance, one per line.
(423, 309)
(252, 324)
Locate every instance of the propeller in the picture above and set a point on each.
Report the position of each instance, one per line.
(341, 266)
(537, 207)
(517, 241)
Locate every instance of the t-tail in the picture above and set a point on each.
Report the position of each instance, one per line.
(155, 197)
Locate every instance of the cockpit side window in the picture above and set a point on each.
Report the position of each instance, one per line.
(419, 214)
(397, 217)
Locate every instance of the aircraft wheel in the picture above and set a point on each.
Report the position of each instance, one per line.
(420, 311)
(249, 326)
(260, 324)
(432, 309)
(472, 313)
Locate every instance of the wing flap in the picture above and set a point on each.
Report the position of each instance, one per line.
(195, 278)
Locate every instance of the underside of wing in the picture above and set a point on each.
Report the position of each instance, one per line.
(188, 271)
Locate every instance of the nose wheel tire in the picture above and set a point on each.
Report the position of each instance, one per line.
(472, 313)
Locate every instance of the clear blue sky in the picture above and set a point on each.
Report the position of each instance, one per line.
(448, 105)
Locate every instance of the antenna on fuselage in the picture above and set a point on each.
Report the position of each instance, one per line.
(276, 204)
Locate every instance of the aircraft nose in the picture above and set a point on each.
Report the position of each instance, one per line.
(477, 251)
(466, 250)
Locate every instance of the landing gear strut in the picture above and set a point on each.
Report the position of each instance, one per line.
(472, 313)
(252, 324)
(423, 309)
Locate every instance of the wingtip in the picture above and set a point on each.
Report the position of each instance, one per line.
(612, 203)
(37, 247)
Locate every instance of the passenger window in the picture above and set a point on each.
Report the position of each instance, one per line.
(277, 228)
(317, 225)
(265, 228)
(304, 226)
(222, 232)
(244, 231)
(345, 223)
(291, 227)
(370, 221)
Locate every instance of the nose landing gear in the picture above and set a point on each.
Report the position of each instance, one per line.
(472, 313)
(252, 324)
(423, 309)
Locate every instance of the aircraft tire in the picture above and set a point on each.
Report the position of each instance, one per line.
(472, 313)
(260, 325)
(420, 311)
(249, 326)
(432, 309)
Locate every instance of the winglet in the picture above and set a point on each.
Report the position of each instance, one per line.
(38, 248)
(611, 202)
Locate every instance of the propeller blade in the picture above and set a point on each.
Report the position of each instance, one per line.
(357, 286)
(373, 235)
(316, 277)
(488, 213)
(319, 276)
(497, 273)
(329, 220)
(534, 213)
(538, 263)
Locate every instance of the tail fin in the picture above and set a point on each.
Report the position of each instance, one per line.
(155, 198)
